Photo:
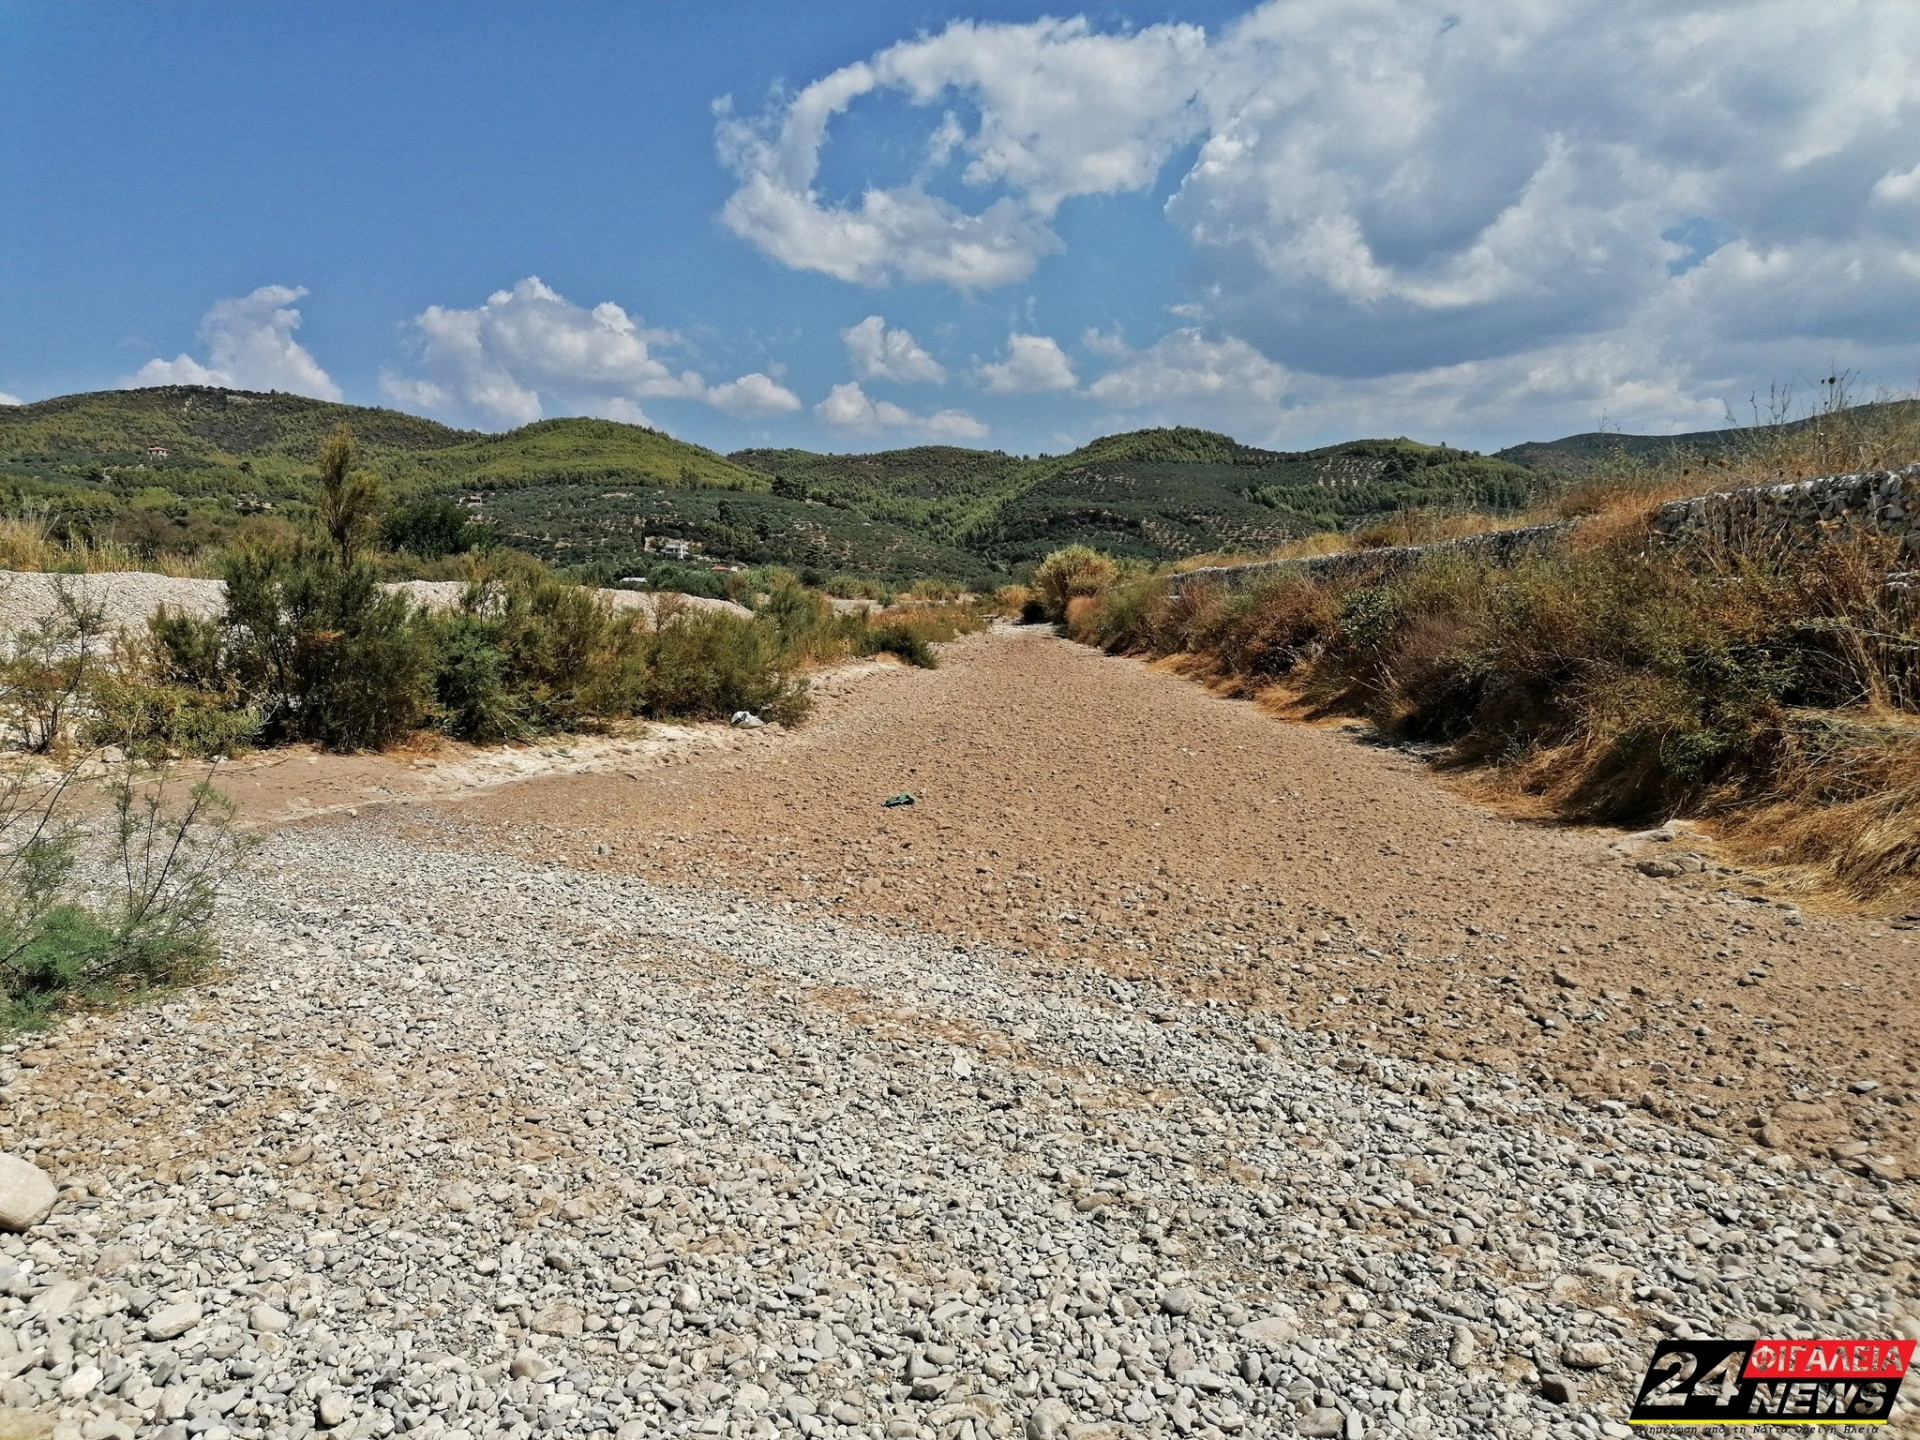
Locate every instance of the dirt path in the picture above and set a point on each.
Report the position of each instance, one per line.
(1094, 811)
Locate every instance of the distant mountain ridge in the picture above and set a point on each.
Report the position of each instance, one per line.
(174, 466)
(1574, 454)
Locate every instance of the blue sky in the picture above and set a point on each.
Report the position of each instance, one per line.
(850, 226)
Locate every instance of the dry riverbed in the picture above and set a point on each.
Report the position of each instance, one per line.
(1078, 1098)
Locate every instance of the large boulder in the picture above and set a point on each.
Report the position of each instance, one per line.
(26, 1193)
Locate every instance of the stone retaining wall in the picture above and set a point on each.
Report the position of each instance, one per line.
(1501, 546)
(1888, 501)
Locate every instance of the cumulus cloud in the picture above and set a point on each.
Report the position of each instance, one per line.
(848, 407)
(1380, 190)
(1034, 364)
(250, 346)
(752, 396)
(1187, 377)
(878, 353)
(530, 350)
(1064, 111)
(1185, 366)
(6, 399)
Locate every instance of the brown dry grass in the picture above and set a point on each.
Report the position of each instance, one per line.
(1774, 689)
(28, 542)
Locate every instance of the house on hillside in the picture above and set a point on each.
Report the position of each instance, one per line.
(669, 548)
(156, 452)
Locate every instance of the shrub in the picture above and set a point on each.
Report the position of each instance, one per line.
(47, 668)
(802, 622)
(153, 720)
(470, 684)
(432, 527)
(103, 913)
(314, 646)
(901, 640)
(705, 665)
(349, 501)
(1074, 571)
(561, 656)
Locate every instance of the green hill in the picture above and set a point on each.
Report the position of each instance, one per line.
(942, 490)
(1162, 494)
(178, 466)
(1150, 494)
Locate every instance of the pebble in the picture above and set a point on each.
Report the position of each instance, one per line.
(1560, 1389)
(332, 1409)
(172, 1321)
(26, 1193)
(1049, 1420)
(481, 1150)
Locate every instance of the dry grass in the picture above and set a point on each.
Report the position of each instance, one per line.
(1836, 437)
(1428, 527)
(1773, 688)
(1321, 542)
(29, 541)
(1845, 803)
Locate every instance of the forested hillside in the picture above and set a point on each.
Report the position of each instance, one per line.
(181, 467)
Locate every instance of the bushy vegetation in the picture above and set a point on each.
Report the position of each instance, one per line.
(109, 863)
(806, 624)
(1073, 573)
(575, 524)
(97, 908)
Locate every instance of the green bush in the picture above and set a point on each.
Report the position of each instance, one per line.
(153, 720)
(431, 527)
(471, 692)
(314, 646)
(705, 665)
(96, 913)
(901, 640)
(528, 652)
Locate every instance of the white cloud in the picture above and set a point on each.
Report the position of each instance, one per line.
(6, 399)
(1064, 111)
(848, 407)
(1898, 186)
(955, 425)
(751, 396)
(1184, 367)
(1414, 193)
(878, 353)
(250, 346)
(529, 351)
(1034, 363)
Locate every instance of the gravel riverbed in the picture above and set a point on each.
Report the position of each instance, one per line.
(466, 1145)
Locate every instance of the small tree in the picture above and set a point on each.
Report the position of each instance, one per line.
(350, 500)
(430, 527)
